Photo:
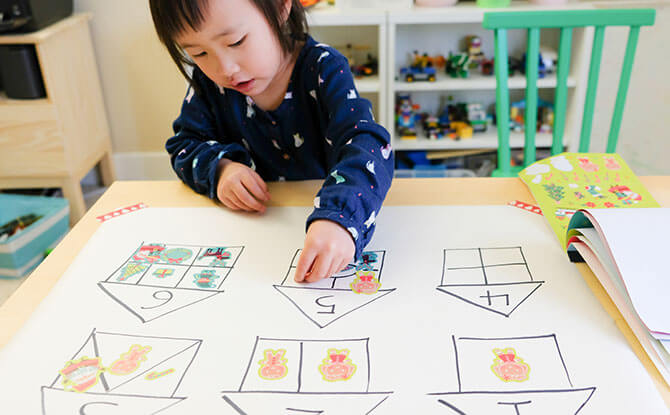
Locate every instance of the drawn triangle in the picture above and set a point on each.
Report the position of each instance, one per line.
(162, 379)
(58, 401)
(563, 402)
(112, 346)
(499, 298)
(325, 305)
(88, 350)
(149, 302)
(259, 403)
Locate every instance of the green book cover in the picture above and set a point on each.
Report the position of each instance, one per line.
(569, 181)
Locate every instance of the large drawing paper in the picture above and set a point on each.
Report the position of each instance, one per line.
(471, 309)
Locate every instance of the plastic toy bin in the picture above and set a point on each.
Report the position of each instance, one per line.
(23, 251)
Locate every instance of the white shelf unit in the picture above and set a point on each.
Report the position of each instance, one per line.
(339, 27)
(393, 32)
(443, 30)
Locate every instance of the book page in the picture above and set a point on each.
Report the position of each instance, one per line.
(637, 239)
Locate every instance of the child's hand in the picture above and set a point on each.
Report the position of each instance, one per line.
(241, 188)
(328, 249)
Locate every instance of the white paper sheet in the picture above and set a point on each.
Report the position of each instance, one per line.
(637, 239)
(479, 309)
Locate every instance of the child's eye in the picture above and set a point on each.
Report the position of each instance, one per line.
(239, 42)
(200, 55)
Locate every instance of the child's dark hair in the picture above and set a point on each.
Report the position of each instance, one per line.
(172, 17)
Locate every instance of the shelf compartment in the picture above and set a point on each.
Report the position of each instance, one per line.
(475, 82)
(488, 139)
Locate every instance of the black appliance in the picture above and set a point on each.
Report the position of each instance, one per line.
(31, 15)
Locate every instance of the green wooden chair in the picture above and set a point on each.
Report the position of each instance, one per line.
(566, 21)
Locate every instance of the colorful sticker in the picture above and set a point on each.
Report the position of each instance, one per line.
(367, 261)
(587, 165)
(555, 192)
(149, 253)
(163, 272)
(176, 255)
(625, 195)
(337, 366)
(508, 367)
(155, 375)
(219, 255)
(82, 374)
(365, 283)
(130, 269)
(205, 278)
(129, 361)
(273, 366)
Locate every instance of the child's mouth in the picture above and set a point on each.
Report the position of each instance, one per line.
(245, 86)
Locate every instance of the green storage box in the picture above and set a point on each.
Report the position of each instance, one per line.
(23, 251)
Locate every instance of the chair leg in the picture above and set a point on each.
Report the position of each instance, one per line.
(107, 169)
(72, 192)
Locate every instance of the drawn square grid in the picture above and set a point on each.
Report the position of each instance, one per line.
(342, 279)
(135, 271)
(484, 266)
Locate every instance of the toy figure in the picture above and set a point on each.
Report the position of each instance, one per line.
(475, 51)
(457, 65)
(545, 116)
(406, 117)
(369, 68)
(477, 117)
(421, 69)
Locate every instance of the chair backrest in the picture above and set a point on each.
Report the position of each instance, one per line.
(566, 21)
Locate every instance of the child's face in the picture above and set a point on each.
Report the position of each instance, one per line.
(235, 47)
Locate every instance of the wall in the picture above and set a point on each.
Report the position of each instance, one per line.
(143, 89)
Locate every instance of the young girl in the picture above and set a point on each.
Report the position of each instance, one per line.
(266, 102)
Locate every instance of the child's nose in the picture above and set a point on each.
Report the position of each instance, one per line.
(228, 67)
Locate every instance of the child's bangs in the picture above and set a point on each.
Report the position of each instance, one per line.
(173, 17)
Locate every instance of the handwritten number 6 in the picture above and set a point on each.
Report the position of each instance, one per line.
(158, 295)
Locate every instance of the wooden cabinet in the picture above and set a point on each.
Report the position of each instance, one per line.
(55, 141)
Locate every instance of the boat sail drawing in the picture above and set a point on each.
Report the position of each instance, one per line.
(298, 376)
(494, 279)
(121, 373)
(330, 299)
(158, 279)
(512, 375)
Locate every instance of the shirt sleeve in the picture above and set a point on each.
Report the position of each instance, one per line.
(360, 160)
(197, 146)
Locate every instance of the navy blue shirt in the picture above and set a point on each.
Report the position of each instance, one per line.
(322, 129)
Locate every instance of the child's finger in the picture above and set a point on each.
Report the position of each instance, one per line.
(320, 269)
(247, 200)
(304, 264)
(343, 264)
(230, 204)
(261, 184)
(254, 188)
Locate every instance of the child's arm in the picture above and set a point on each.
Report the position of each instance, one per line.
(360, 172)
(203, 158)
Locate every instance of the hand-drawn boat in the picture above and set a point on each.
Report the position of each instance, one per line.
(159, 279)
(330, 299)
(120, 373)
(512, 375)
(494, 279)
(298, 377)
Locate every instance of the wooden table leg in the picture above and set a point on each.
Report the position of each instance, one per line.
(73, 193)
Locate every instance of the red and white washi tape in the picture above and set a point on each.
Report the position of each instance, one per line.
(121, 211)
(526, 206)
